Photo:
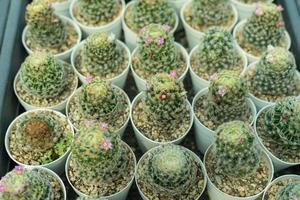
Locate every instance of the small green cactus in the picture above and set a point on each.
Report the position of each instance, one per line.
(265, 27)
(145, 12)
(157, 50)
(282, 122)
(101, 55)
(290, 192)
(44, 27)
(226, 99)
(171, 170)
(25, 184)
(43, 76)
(275, 72)
(235, 150)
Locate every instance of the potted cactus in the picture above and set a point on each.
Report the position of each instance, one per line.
(162, 113)
(236, 167)
(273, 77)
(170, 172)
(48, 31)
(101, 164)
(285, 187)
(98, 16)
(44, 82)
(278, 129)
(102, 55)
(32, 183)
(265, 27)
(140, 13)
(99, 103)
(225, 99)
(198, 16)
(215, 52)
(39, 137)
(157, 53)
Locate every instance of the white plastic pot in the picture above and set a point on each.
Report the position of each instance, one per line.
(193, 36)
(251, 58)
(56, 165)
(120, 131)
(194, 155)
(203, 135)
(215, 193)
(281, 179)
(177, 5)
(63, 55)
(200, 83)
(59, 107)
(141, 83)
(277, 162)
(146, 143)
(121, 195)
(119, 80)
(130, 35)
(245, 10)
(112, 27)
(62, 8)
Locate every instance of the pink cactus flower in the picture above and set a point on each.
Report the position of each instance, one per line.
(222, 90)
(163, 95)
(259, 12)
(166, 27)
(2, 187)
(148, 39)
(55, 21)
(19, 169)
(104, 125)
(143, 30)
(106, 144)
(280, 24)
(160, 40)
(173, 73)
(280, 8)
(284, 116)
(89, 123)
(89, 78)
(294, 197)
(213, 77)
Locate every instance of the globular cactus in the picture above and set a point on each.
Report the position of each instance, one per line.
(45, 29)
(290, 192)
(265, 27)
(146, 12)
(165, 100)
(170, 170)
(41, 75)
(282, 122)
(275, 72)
(96, 11)
(211, 12)
(101, 54)
(157, 50)
(25, 184)
(235, 150)
(226, 99)
(99, 100)
(97, 154)
(217, 51)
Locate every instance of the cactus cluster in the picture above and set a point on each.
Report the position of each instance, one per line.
(226, 99)
(275, 73)
(45, 29)
(41, 75)
(290, 192)
(23, 184)
(101, 55)
(235, 150)
(170, 170)
(265, 27)
(157, 50)
(145, 12)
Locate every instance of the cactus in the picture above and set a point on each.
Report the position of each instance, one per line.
(217, 51)
(25, 184)
(290, 192)
(98, 11)
(282, 122)
(275, 72)
(265, 27)
(226, 99)
(170, 170)
(101, 54)
(146, 12)
(98, 155)
(41, 75)
(157, 50)
(235, 150)
(44, 27)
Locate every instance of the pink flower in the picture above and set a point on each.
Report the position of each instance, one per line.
(166, 27)
(19, 169)
(259, 11)
(55, 21)
(89, 78)
(213, 77)
(142, 30)
(222, 90)
(294, 197)
(148, 39)
(89, 123)
(280, 8)
(280, 24)
(163, 95)
(2, 187)
(160, 40)
(104, 125)
(106, 144)
(269, 58)
(284, 116)
(173, 73)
